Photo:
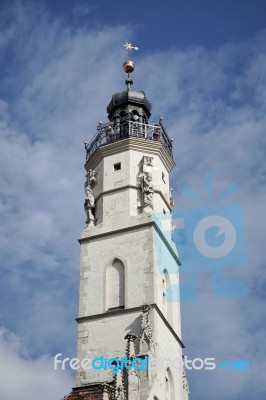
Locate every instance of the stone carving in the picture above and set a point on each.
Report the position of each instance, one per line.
(91, 178)
(108, 391)
(130, 346)
(119, 386)
(146, 183)
(147, 331)
(147, 161)
(89, 204)
(147, 190)
(185, 382)
(89, 207)
(172, 202)
(126, 384)
(132, 376)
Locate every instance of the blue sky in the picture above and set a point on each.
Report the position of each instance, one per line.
(171, 23)
(202, 65)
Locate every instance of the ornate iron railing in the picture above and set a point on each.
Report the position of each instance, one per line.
(109, 133)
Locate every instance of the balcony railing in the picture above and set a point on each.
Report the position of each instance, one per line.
(109, 133)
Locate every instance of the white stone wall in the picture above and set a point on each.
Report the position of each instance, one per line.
(165, 261)
(168, 353)
(104, 336)
(118, 193)
(123, 232)
(135, 249)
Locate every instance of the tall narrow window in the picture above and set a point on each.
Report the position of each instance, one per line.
(169, 385)
(115, 285)
(167, 300)
(167, 388)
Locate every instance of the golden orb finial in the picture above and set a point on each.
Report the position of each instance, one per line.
(128, 66)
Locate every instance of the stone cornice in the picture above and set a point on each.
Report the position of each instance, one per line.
(95, 235)
(131, 143)
(111, 313)
(120, 188)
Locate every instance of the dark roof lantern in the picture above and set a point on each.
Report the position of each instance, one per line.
(121, 100)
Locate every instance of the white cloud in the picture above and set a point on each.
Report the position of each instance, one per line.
(56, 87)
(23, 377)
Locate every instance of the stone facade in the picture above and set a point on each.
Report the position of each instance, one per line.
(127, 263)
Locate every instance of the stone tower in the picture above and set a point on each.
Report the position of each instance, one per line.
(125, 256)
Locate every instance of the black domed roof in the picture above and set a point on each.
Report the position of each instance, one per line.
(129, 97)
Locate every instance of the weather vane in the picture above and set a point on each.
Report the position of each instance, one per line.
(128, 65)
(129, 47)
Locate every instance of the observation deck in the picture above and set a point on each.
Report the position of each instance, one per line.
(110, 133)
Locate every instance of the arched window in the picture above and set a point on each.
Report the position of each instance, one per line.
(169, 385)
(115, 285)
(167, 388)
(123, 124)
(135, 115)
(167, 303)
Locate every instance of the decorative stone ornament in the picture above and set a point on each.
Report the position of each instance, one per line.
(89, 203)
(119, 386)
(147, 164)
(172, 203)
(147, 160)
(92, 178)
(147, 192)
(146, 184)
(89, 207)
(147, 331)
(185, 382)
(130, 346)
(107, 391)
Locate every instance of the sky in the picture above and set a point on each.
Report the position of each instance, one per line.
(203, 66)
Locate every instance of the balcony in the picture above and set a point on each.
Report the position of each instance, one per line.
(109, 133)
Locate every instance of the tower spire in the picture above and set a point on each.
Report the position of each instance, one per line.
(129, 65)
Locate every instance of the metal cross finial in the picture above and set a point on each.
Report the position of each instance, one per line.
(129, 47)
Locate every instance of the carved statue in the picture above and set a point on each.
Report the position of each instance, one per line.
(92, 178)
(147, 190)
(89, 207)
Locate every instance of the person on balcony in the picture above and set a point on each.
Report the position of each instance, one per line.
(157, 133)
(110, 135)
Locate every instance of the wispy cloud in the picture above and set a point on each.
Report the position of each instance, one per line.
(55, 85)
(21, 376)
